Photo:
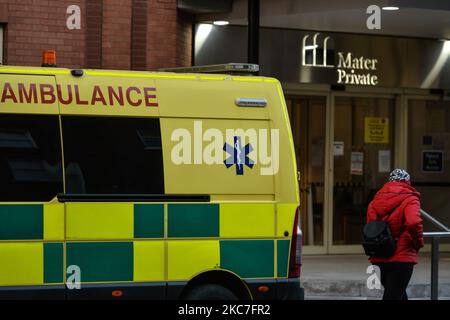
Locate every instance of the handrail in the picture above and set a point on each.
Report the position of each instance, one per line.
(435, 236)
(442, 234)
(434, 220)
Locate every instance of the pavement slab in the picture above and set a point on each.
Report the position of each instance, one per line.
(345, 276)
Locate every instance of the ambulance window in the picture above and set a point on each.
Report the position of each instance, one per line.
(30, 158)
(111, 155)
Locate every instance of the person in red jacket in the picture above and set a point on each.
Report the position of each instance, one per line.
(398, 203)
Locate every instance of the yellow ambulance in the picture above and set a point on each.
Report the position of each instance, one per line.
(153, 185)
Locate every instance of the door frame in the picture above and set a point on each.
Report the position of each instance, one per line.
(360, 92)
(415, 94)
(316, 90)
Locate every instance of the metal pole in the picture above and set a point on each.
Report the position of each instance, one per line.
(434, 268)
(433, 220)
(253, 31)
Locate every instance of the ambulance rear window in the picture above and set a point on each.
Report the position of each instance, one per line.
(111, 155)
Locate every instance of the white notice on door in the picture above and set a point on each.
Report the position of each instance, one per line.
(384, 160)
(357, 160)
(338, 149)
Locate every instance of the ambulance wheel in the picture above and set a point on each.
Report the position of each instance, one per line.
(210, 292)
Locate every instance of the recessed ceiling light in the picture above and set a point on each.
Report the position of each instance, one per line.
(390, 8)
(220, 23)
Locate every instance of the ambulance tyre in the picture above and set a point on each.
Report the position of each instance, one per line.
(210, 292)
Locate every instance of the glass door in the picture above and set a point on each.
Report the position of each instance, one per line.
(307, 115)
(363, 156)
(428, 156)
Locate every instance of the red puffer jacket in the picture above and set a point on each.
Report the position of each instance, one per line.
(398, 204)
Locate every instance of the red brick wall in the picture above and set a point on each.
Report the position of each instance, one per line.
(93, 17)
(105, 38)
(116, 34)
(139, 27)
(33, 26)
(161, 35)
(184, 41)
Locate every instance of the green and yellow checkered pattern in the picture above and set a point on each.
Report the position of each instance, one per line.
(127, 242)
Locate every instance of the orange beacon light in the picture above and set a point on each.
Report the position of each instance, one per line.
(49, 58)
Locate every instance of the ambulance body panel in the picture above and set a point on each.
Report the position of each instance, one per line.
(196, 216)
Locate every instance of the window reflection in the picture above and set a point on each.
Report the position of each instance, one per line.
(106, 155)
(30, 158)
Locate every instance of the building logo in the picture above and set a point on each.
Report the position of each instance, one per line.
(319, 52)
(312, 54)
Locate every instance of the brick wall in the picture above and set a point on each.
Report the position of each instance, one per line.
(93, 17)
(184, 41)
(139, 27)
(114, 34)
(161, 36)
(33, 26)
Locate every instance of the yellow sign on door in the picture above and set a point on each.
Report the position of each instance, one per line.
(376, 130)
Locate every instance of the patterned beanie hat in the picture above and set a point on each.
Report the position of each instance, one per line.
(399, 175)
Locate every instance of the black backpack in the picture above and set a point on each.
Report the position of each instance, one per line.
(378, 240)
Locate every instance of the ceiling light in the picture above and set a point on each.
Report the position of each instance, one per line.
(220, 23)
(390, 8)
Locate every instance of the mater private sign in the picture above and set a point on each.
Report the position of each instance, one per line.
(348, 66)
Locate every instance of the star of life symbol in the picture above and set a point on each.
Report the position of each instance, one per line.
(238, 155)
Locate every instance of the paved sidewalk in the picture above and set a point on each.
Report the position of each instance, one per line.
(345, 277)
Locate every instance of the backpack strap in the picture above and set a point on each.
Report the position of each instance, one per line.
(378, 215)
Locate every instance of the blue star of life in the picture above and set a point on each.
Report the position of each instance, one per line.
(238, 155)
